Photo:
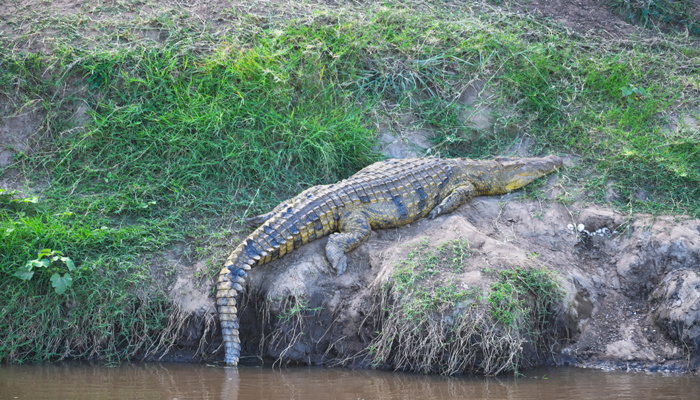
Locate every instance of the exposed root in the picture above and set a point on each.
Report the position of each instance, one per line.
(176, 329)
(290, 326)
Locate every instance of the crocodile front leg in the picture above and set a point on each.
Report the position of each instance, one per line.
(459, 196)
(354, 230)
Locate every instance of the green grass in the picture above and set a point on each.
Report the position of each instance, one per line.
(185, 135)
(507, 297)
(295, 308)
(418, 295)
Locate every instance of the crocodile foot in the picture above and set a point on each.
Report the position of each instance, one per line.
(338, 260)
(435, 212)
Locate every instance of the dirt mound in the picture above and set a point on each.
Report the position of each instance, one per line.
(630, 288)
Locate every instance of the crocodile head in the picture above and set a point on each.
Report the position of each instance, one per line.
(518, 172)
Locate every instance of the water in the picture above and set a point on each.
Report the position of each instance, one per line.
(186, 381)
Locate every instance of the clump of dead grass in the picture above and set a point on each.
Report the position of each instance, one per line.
(434, 326)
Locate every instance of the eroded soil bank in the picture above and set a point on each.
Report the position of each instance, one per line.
(631, 292)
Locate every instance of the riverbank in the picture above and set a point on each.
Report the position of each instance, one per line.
(137, 136)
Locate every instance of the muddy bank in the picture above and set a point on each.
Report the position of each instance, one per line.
(631, 291)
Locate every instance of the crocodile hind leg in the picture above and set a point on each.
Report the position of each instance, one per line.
(354, 230)
(459, 196)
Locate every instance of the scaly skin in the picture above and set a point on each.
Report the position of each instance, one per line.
(384, 195)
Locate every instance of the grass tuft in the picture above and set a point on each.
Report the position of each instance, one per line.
(429, 323)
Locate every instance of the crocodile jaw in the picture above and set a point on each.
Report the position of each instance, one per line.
(518, 172)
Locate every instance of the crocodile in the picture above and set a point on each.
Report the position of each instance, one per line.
(385, 194)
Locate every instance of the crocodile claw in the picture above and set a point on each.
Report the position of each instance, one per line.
(435, 212)
(339, 262)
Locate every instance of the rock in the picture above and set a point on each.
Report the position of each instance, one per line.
(405, 145)
(676, 300)
(16, 131)
(621, 350)
(478, 114)
(641, 195)
(610, 193)
(640, 270)
(615, 283)
(595, 218)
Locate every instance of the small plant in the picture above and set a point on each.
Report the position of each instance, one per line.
(633, 93)
(506, 304)
(7, 197)
(456, 251)
(50, 261)
(513, 286)
(299, 308)
(649, 13)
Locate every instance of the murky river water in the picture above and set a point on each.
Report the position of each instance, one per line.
(183, 381)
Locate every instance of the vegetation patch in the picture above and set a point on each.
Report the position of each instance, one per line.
(431, 323)
(510, 297)
(684, 14)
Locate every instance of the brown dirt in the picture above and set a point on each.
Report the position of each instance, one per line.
(17, 129)
(583, 16)
(631, 295)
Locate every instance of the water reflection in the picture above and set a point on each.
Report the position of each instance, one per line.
(230, 385)
(185, 381)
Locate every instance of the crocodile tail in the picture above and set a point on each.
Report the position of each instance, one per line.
(231, 279)
(262, 246)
